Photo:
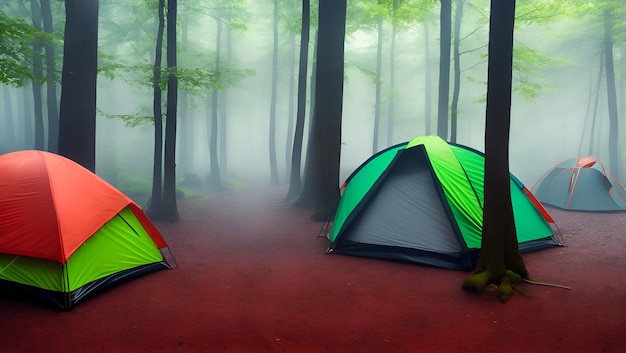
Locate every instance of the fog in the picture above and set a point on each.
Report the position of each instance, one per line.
(545, 130)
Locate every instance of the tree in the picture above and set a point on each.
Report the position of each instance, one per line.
(500, 260)
(607, 18)
(155, 207)
(77, 118)
(457, 70)
(427, 82)
(272, 128)
(37, 78)
(215, 180)
(170, 208)
(444, 68)
(395, 5)
(609, 23)
(293, 26)
(295, 182)
(379, 63)
(51, 79)
(231, 15)
(321, 187)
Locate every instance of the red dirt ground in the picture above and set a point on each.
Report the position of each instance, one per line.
(253, 277)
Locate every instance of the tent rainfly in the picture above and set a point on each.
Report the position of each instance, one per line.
(422, 202)
(581, 184)
(65, 233)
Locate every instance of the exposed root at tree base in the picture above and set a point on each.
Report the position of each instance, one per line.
(546, 284)
(504, 289)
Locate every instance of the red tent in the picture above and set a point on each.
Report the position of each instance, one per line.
(50, 206)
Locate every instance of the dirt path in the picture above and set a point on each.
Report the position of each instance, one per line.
(253, 277)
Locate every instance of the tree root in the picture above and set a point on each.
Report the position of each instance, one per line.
(504, 289)
(546, 284)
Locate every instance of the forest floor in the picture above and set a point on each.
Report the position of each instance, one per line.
(253, 277)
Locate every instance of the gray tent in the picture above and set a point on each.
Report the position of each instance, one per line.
(581, 184)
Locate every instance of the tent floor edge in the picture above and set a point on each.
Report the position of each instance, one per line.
(464, 261)
(66, 301)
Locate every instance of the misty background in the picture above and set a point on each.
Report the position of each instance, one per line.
(550, 122)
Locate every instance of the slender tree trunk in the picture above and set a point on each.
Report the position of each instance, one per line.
(77, 118)
(184, 162)
(272, 137)
(594, 116)
(8, 131)
(215, 180)
(379, 63)
(156, 200)
(622, 99)
(291, 103)
(427, 82)
(170, 208)
(223, 135)
(313, 89)
(500, 260)
(37, 78)
(611, 92)
(444, 68)
(321, 188)
(51, 80)
(392, 80)
(29, 136)
(457, 71)
(295, 182)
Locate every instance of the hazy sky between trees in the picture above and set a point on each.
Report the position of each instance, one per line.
(545, 130)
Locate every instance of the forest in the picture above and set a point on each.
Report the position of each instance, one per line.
(411, 67)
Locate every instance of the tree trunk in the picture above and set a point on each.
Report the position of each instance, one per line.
(457, 70)
(51, 80)
(170, 208)
(215, 180)
(379, 63)
(292, 96)
(427, 82)
(29, 136)
(321, 188)
(223, 104)
(622, 98)
(594, 114)
(313, 88)
(272, 128)
(155, 208)
(392, 78)
(77, 118)
(295, 182)
(184, 160)
(8, 131)
(444, 68)
(37, 78)
(611, 92)
(500, 260)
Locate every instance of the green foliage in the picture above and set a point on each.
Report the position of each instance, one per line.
(194, 80)
(527, 71)
(141, 118)
(110, 66)
(592, 12)
(371, 74)
(16, 49)
(540, 12)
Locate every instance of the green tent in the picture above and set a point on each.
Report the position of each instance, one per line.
(422, 202)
